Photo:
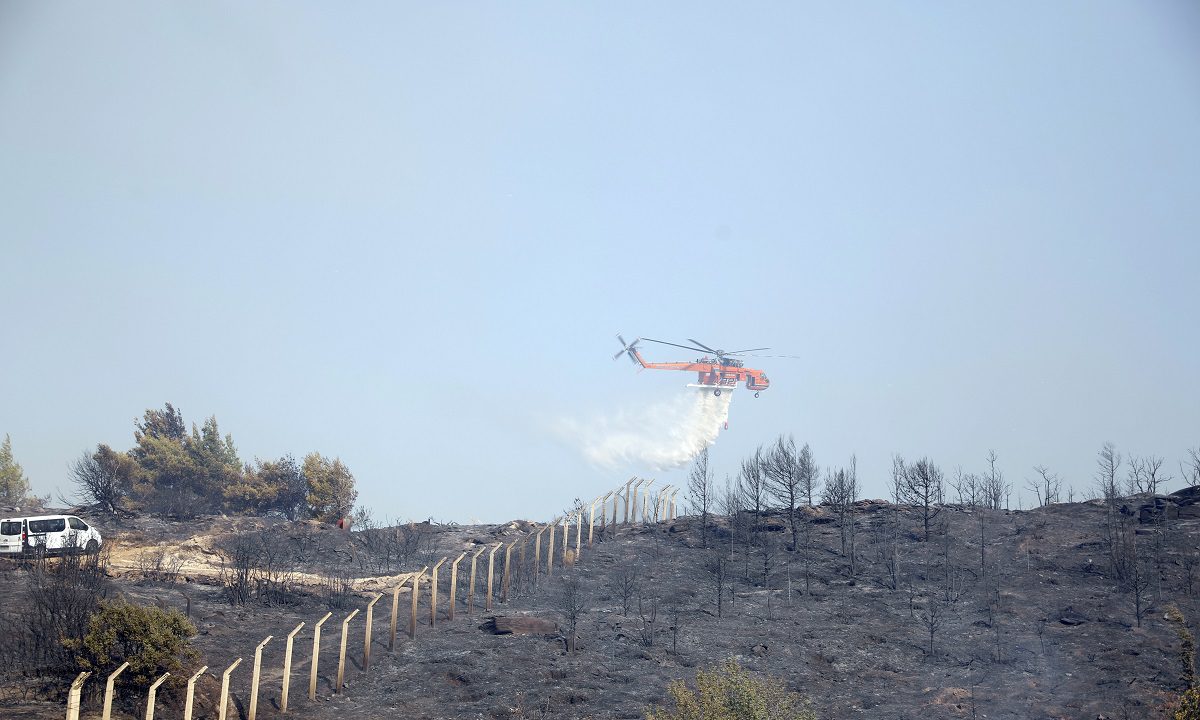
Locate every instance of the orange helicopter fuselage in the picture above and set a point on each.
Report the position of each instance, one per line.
(713, 373)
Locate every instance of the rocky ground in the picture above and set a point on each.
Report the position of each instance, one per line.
(1040, 629)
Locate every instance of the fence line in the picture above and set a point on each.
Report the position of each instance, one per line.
(633, 495)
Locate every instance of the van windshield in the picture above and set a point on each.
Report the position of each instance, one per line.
(47, 526)
(10, 527)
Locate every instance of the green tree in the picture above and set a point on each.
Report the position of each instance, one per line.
(14, 486)
(183, 474)
(166, 423)
(272, 485)
(331, 491)
(170, 482)
(150, 639)
(730, 693)
(216, 460)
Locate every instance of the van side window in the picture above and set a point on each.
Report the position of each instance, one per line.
(47, 526)
(10, 527)
(77, 524)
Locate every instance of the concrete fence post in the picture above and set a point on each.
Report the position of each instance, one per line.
(506, 574)
(341, 676)
(316, 656)
(660, 504)
(592, 520)
(520, 576)
(73, 695)
(616, 501)
(578, 535)
(537, 555)
(566, 541)
(254, 677)
(550, 548)
(637, 500)
(454, 582)
(471, 586)
(223, 710)
(416, 595)
(395, 611)
(433, 589)
(628, 489)
(367, 631)
(108, 690)
(487, 605)
(151, 694)
(191, 693)
(287, 669)
(604, 513)
(646, 501)
(674, 505)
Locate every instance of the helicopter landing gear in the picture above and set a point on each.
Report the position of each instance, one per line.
(755, 394)
(717, 392)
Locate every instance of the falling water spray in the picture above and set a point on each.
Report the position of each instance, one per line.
(658, 436)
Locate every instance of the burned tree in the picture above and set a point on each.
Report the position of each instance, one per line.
(972, 493)
(840, 494)
(784, 479)
(1045, 486)
(700, 488)
(573, 604)
(1145, 475)
(994, 489)
(717, 566)
(922, 485)
(628, 583)
(105, 477)
(752, 488)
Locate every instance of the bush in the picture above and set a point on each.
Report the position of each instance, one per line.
(153, 641)
(57, 601)
(730, 693)
(1189, 705)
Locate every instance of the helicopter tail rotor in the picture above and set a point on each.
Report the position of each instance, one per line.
(628, 349)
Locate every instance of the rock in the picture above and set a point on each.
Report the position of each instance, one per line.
(1189, 512)
(1159, 507)
(759, 649)
(1187, 495)
(521, 625)
(771, 525)
(1071, 618)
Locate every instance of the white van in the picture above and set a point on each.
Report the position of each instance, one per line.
(58, 534)
(12, 536)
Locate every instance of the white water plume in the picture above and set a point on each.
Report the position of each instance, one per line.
(660, 436)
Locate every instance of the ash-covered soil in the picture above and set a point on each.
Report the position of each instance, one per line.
(1040, 629)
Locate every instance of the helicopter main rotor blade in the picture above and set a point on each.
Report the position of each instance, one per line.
(739, 352)
(685, 347)
(697, 342)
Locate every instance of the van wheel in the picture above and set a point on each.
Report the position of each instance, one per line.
(91, 548)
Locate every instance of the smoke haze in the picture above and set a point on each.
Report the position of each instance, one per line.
(659, 436)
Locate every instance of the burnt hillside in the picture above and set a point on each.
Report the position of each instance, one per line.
(1062, 615)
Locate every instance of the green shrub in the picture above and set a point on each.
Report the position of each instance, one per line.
(1189, 705)
(151, 640)
(730, 693)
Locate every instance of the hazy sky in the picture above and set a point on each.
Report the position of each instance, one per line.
(406, 233)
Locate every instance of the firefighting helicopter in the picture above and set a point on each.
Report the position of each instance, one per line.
(721, 372)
